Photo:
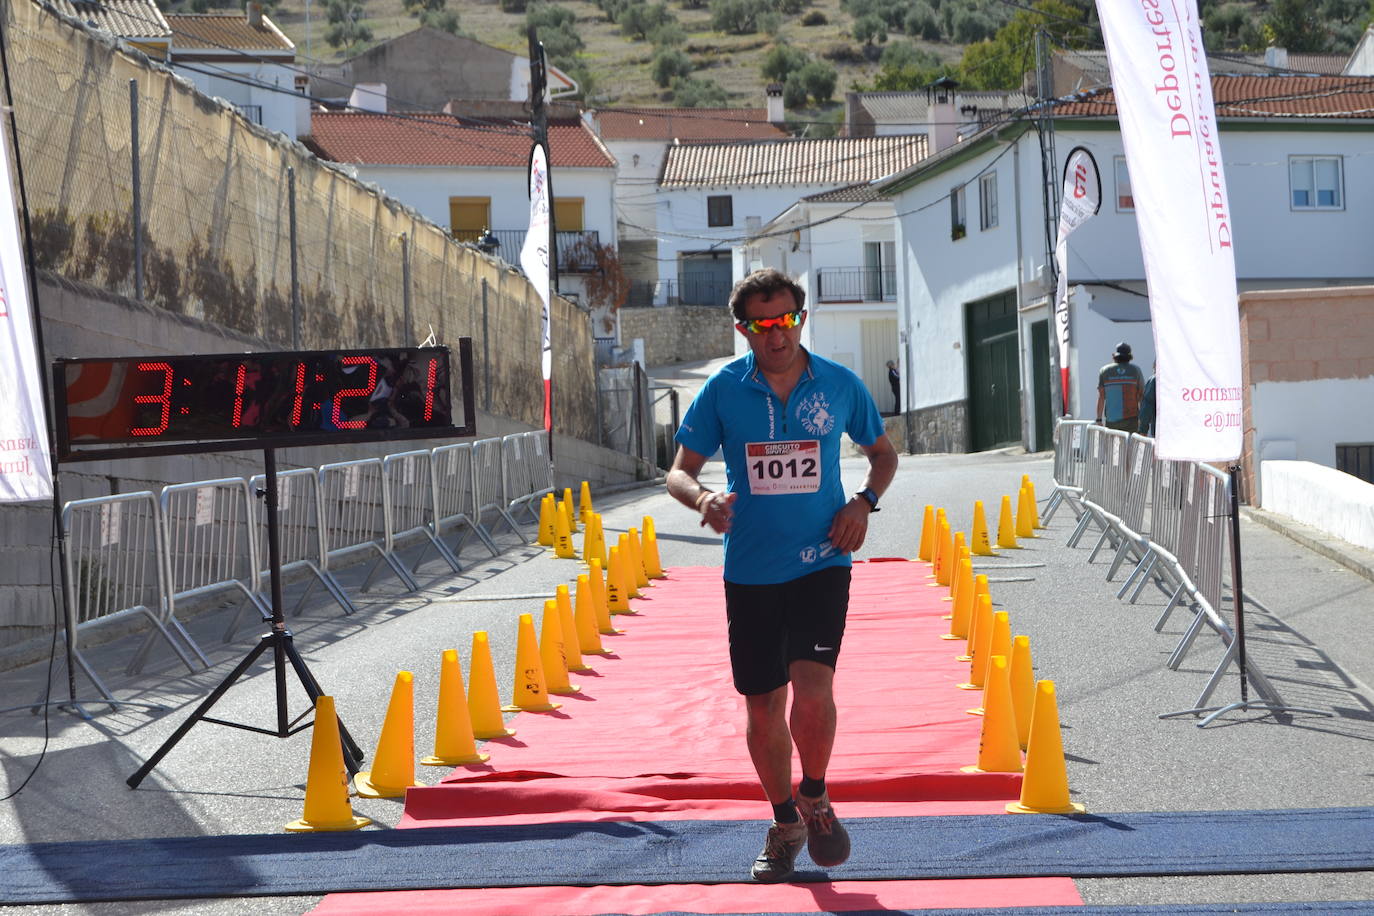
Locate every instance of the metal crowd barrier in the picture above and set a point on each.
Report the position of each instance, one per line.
(299, 543)
(116, 567)
(1070, 467)
(488, 484)
(354, 516)
(210, 542)
(455, 504)
(413, 504)
(540, 470)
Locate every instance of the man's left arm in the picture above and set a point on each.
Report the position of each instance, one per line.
(850, 525)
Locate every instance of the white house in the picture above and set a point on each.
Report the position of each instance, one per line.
(713, 196)
(246, 60)
(639, 139)
(471, 175)
(973, 248)
(841, 247)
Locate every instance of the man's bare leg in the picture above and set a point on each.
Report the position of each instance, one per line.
(813, 715)
(770, 743)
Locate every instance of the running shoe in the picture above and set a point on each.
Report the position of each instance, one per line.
(780, 850)
(827, 842)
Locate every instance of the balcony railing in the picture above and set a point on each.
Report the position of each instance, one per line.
(688, 290)
(856, 284)
(512, 240)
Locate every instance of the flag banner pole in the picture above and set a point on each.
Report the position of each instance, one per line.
(1164, 104)
(534, 260)
(1081, 200)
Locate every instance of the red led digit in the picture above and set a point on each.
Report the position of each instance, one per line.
(429, 388)
(165, 399)
(359, 392)
(299, 400)
(239, 378)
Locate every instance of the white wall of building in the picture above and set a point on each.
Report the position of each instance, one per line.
(283, 109)
(1306, 420)
(682, 217)
(636, 186)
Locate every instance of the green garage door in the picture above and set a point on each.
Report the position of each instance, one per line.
(994, 373)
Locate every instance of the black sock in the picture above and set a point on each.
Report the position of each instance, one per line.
(786, 813)
(811, 788)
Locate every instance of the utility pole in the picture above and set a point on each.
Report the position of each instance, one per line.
(1049, 162)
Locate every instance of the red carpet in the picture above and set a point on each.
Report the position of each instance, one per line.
(658, 734)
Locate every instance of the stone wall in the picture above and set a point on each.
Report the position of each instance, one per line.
(939, 429)
(679, 333)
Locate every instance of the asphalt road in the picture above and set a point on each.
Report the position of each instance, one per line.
(1308, 621)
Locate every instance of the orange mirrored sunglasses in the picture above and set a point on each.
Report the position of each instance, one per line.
(786, 321)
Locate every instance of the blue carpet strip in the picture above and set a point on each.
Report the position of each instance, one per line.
(686, 852)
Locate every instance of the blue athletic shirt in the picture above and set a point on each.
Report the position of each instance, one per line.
(780, 535)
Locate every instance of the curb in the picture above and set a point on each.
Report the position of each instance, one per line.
(1356, 559)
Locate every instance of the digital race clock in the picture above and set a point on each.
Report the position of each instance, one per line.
(120, 407)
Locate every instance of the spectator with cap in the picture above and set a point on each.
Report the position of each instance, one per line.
(1120, 385)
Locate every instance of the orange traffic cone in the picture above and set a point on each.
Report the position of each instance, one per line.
(924, 551)
(1000, 644)
(603, 608)
(1006, 527)
(981, 545)
(594, 541)
(546, 524)
(963, 603)
(627, 562)
(998, 751)
(584, 504)
(1035, 506)
(1045, 787)
(531, 689)
(562, 535)
(393, 766)
(568, 507)
(454, 743)
(553, 652)
(1022, 687)
(1025, 510)
(484, 704)
(616, 598)
(641, 574)
(572, 641)
(585, 618)
(653, 564)
(326, 787)
(949, 555)
(937, 544)
(981, 638)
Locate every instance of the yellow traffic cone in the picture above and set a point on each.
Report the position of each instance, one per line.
(603, 607)
(572, 641)
(937, 544)
(585, 618)
(1022, 687)
(1006, 527)
(981, 546)
(454, 743)
(963, 603)
(953, 595)
(326, 787)
(553, 652)
(1000, 644)
(584, 505)
(998, 751)
(568, 507)
(594, 541)
(546, 525)
(1034, 506)
(949, 555)
(637, 567)
(924, 551)
(628, 579)
(981, 638)
(617, 601)
(531, 689)
(1025, 525)
(653, 564)
(484, 704)
(980, 587)
(1045, 787)
(393, 766)
(562, 537)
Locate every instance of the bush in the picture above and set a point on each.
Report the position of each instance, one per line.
(639, 19)
(869, 29)
(738, 17)
(793, 93)
(968, 26)
(670, 64)
(818, 79)
(697, 93)
(781, 60)
(668, 35)
(845, 54)
(922, 22)
(815, 17)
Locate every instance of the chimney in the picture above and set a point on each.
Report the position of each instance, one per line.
(368, 97)
(1276, 57)
(941, 115)
(775, 108)
(255, 14)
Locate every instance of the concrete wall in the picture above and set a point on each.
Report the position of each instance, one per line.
(679, 333)
(1322, 497)
(1308, 371)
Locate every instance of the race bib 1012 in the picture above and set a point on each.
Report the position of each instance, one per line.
(784, 467)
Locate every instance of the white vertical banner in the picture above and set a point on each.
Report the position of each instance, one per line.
(25, 465)
(1169, 129)
(1080, 202)
(534, 259)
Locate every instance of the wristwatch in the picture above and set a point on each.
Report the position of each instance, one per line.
(870, 497)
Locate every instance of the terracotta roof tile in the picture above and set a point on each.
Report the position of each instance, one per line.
(832, 160)
(437, 139)
(687, 124)
(855, 193)
(225, 31)
(124, 18)
(1276, 96)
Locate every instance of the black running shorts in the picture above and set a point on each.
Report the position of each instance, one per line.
(772, 626)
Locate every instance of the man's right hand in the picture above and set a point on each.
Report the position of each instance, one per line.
(717, 510)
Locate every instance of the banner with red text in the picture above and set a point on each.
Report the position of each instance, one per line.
(534, 259)
(1168, 127)
(1081, 199)
(25, 465)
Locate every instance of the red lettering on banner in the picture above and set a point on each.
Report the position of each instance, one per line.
(1179, 126)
